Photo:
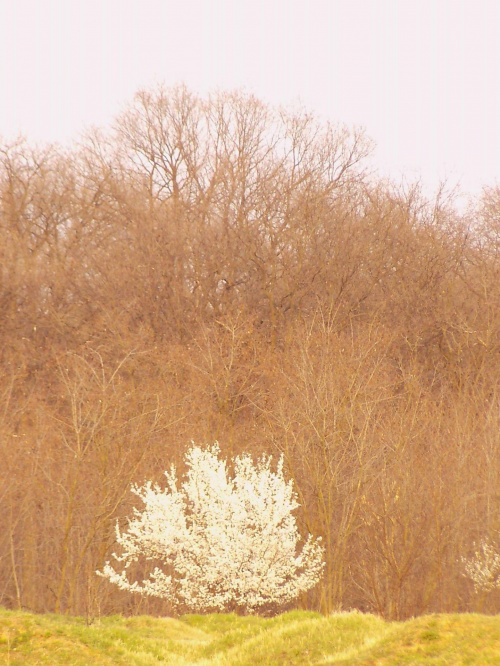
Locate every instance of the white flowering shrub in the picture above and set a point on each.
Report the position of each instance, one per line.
(483, 568)
(219, 543)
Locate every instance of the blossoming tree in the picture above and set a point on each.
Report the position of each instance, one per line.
(484, 567)
(223, 543)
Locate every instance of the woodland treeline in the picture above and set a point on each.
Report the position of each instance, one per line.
(217, 269)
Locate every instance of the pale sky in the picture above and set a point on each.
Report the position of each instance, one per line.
(421, 76)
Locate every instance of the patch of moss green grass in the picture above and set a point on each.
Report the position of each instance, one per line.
(51, 639)
(295, 638)
(442, 640)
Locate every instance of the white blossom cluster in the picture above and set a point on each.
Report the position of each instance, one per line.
(222, 543)
(484, 568)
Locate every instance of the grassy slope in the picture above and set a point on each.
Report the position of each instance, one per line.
(219, 640)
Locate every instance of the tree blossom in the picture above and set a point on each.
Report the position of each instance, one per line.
(484, 568)
(223, 543)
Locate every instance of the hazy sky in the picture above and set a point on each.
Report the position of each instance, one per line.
(422, 76)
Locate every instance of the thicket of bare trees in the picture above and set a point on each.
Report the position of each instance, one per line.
(215, 269)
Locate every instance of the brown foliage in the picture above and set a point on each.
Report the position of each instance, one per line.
(218, 269)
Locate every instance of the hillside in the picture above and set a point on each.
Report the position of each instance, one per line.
(293, 638)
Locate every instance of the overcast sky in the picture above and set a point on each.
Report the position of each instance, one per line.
(421, 76)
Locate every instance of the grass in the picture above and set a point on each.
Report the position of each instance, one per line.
(296, 638)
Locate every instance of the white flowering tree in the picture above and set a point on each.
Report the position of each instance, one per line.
(218, 543)
(483, 568)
